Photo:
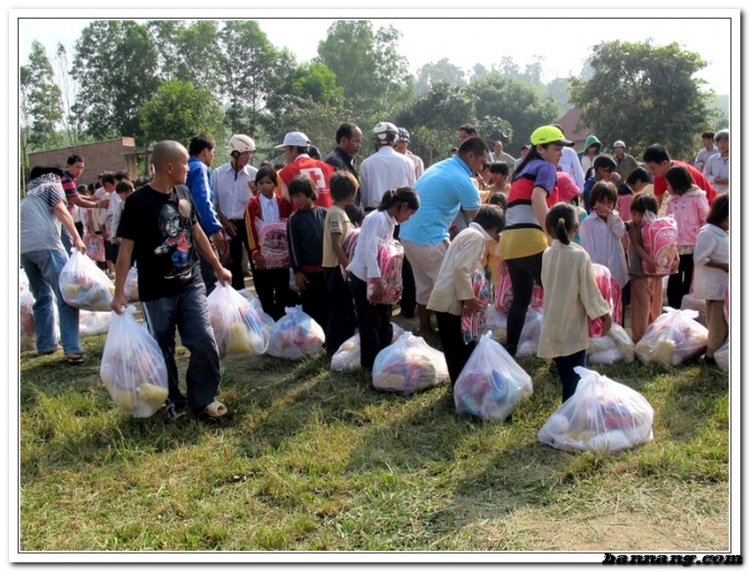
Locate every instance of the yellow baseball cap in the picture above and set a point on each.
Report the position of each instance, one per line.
(549, 134)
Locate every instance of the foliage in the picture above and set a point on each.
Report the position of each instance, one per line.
(116, 65)
(309, 459)
(516, 102)
(368, 67)
(41, 105)
(178, 111)
(247, 58)
(432, 73)
(644, 94)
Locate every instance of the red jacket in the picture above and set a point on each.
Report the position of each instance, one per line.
(660, 183)
(255, 211)
(318, 171)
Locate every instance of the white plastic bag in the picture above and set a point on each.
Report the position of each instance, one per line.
(348, 356)
(528, 343)
(673, 338)
(690, 302)
(497, 323)
(84, 285)
(93, 323)
(722, 357)
(133, 368)
(615, 346)
(131, 285)
(265, 319)
(491, 383)
(23, 280)
(296, 335)
(409, 365)
(28, 331)
(238, 329)
(602, 415)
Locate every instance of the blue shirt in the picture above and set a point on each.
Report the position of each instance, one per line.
(443, 189)
(199, 183)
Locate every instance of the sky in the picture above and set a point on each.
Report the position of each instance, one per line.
(431, 35)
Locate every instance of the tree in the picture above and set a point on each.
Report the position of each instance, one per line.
(367, 66)
(178, 111)
(432, 120)
(199, 54)
(41, 105)
(518, 103)
(644, 94)
(432, 73)
(116, 64)
(247, 57)
(72, 124)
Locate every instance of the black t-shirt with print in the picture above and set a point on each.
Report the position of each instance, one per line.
(160, 225)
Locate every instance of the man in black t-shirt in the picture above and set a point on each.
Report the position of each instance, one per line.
(159, 229)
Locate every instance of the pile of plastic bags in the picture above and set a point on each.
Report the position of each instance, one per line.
(491, 383)
(238, 329)
(295, 336)
(84, 285)
(133, 368)
(409, 365)
(673, 338)
(602, 415)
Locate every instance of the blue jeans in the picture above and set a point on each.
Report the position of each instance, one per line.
(43, 268)
(189, 313)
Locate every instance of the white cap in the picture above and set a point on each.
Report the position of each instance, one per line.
(294, 139)
(619, 143)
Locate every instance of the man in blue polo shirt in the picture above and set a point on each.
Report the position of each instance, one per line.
(443, 189)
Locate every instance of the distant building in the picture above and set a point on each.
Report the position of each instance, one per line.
(105, 156)
(573, 131)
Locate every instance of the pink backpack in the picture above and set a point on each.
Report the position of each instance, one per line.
(660, 242)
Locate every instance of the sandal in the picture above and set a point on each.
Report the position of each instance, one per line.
(215, 410)
(74, 359)
(49, 352)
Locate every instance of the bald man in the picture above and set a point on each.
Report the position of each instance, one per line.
(160, 231)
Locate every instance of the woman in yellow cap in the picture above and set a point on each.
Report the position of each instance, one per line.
(532, 192)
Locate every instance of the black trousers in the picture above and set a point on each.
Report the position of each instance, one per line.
(238, 242)
(315, 298)
(272, 287)
(374, 322)
(568, 377)
(678, 285)
(341, 320)
(408, 300)
(523, 273)
(456, 352)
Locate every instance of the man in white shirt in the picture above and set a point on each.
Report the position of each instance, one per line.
(402, 146)
(708, 149)
(499, 154)
(385, 169)
(716, 170)
(232, 188)
(570, 163)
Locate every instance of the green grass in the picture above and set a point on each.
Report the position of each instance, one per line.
(309, 459)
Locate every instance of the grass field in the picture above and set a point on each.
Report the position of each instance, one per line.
(309, 459)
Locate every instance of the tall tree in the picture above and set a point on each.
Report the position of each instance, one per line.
(247, 58)
(516, 102)
(178, 111)
(41, 104)
(367, 65)
(199, 54)
(116, 64)
(69, 89)
(443, 70)
(644, 94)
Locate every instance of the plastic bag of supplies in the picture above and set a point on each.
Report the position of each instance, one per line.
(722, 357)
(84, 285)
(131, 285)
(390, 261)
(673, 338)
(602, 415)
(474, 324)
(133, 368)
(348, 356)
(409, 365)
(93, 323)
(615, 346)
(295, 336)
(491, 383)
(528, 342)
(237, 327)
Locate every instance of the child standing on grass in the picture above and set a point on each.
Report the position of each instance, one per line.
(373, 319)
(571, 298)
(645, 290)
(305, 235)
(689, 207)
(265, 207)
(454, 291)
(341, 323)
(711, 256)
(601, 234)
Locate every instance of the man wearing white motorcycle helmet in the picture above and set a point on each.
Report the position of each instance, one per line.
(232, 188)
(385, 169)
